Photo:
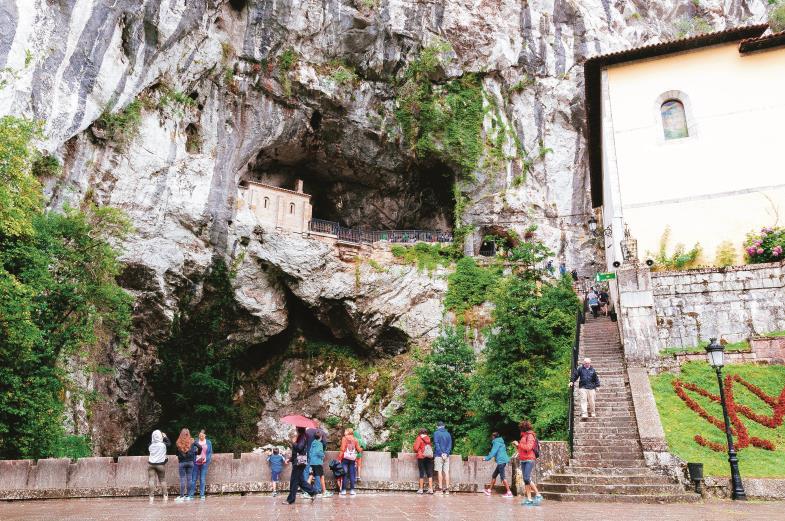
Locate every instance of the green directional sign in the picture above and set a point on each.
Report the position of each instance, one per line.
(605, 276)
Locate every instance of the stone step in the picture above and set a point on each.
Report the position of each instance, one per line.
(611, 463)
(657, 489)
(584, 470)
(618, 498)
(603, 479)
(600, 443)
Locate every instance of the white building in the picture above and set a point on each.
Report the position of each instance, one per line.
(688, 134)
(278, 207)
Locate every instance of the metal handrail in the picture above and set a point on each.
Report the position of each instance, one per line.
(394, 236)
(573, 365)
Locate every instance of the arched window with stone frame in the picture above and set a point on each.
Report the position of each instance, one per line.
(674, 114)
(266, 202)
(291, 208)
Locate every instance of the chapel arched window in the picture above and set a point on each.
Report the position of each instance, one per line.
(674, 119)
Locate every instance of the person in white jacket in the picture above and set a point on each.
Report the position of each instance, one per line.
(156, 463)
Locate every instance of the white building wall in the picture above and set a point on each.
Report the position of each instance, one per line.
(728, 177)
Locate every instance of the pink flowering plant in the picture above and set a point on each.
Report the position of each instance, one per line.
(766, 246)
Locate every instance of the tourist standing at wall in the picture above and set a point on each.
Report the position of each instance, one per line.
(358, 436)
(442, 444)
(528, 452)
(276, 462)
(350, 447)
(316, 461)
(588, 382)
(299, 460)
(498, 453)
(201, 464)
(156, 463)
(424, 451)
(187, 449)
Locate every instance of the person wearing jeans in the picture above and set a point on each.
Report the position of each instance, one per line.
(201, 465)
(187, 450)
(499, 454)
(350, 447)
(156, 463)
(588, 382)
(299, 461)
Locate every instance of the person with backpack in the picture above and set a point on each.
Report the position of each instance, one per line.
(187, 449)
(498, 453)
(316, 460)
(424, 451)
(528, 452)
(442, 445)
(299, 460)
(350, 447)
(156, 463)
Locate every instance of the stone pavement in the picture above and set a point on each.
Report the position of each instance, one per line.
(375, 507)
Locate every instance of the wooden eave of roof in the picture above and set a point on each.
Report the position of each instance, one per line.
(762, 43)
(593, 87)
(272, 187)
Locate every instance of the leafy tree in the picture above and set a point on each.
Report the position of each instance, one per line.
(440, 389)
(469, 285)
(195, 381)
(57, 294)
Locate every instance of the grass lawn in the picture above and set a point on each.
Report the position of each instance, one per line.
(681, 423)
(701, 348)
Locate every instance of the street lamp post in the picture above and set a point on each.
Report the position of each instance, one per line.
(716, 355)
(602, 231)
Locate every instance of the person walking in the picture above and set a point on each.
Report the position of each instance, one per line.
(528, 451)
(187, 449)
(594, 302)
(424, 451)
(156, 463)
(605, 300)
(299, 460)
(588, 382)
(498, 453)
(201, 465)
(442, 446)
(276, 462)
(310, 435)
(316, 460)
(350, 447)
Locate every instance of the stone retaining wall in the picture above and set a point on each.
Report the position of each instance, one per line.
(734, 303)
(98, 477)
(755, 488)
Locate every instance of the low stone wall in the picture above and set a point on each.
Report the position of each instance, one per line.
(763, 350)
(127, 476)
(755, 488)
(733, 303)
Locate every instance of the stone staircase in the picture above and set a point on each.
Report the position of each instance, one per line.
(608, 462)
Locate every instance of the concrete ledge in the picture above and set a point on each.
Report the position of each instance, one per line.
(756, 488)
(14, 474)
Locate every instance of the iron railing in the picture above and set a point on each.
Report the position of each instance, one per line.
(573, 365)
(358, 236)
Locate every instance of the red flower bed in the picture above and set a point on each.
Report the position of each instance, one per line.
(738, 429)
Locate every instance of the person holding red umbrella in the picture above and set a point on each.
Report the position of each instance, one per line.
(299, 458)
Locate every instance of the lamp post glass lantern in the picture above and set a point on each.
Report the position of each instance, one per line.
(606, 231)
(716, 355)
(592, 224)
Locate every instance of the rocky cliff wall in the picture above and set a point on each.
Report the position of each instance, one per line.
(211, 92)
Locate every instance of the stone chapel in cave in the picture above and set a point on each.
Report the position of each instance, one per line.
(284, 209)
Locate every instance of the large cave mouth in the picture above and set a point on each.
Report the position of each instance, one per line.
(366, 197)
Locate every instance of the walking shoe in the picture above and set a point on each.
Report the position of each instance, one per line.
(430, 491)
(189, 498)
(487, 491)
(275, 493)
(327, 494)
(419, 491)
(446, 492)
(538, 499)
(527, 502)
(201, 498)
(343, 492)
(178, 499)
(352, 492)
(508, 494)
(306, 495)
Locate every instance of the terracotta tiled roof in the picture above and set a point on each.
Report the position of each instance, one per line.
(762, 42)
(277, 188)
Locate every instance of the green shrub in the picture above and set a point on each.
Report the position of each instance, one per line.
(523, 84)
(470, 285)
(342, 75)
(423, 255)
(777, 17)
(123, 126)
(680, 259)
(46, 166)
(288, 59)
(726, 254)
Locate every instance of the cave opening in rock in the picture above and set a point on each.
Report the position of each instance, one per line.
(366, 197)
(238, 5)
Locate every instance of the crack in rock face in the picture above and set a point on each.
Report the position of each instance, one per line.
(220, 92)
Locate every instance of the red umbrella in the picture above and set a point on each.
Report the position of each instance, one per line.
(299, 421)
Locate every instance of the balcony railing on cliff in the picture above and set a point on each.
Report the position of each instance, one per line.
(365, 236)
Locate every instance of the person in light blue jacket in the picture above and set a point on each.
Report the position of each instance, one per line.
(498, 453)
(316, 460)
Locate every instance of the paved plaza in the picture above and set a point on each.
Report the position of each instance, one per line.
(375, 507)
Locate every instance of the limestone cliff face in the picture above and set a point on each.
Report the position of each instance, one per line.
(227, 90)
